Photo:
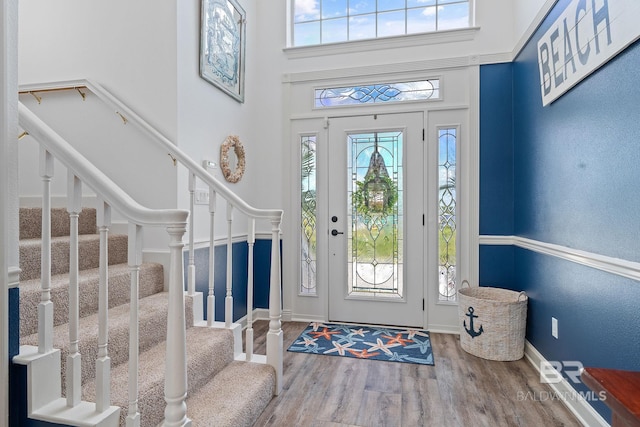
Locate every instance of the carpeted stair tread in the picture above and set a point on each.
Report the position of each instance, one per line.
(31, 222)
(152, 326)
(208, 352)
(151, 282)
(248, 389)
(88, 248)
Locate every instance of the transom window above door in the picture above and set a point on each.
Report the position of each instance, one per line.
(318, 22)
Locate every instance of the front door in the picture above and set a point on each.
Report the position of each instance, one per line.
(376, 221)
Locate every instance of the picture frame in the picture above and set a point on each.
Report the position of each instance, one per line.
(222, 46)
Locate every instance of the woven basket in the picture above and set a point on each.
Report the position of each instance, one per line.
(492, 322)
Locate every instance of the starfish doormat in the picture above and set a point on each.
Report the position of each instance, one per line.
(365, 342)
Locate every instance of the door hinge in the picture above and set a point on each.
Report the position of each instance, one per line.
(423, 220)
(422, 304)
(423, 134)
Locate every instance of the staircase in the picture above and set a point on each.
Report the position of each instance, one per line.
(118, 337)
(221, 391)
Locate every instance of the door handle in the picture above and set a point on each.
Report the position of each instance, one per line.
(335, 232)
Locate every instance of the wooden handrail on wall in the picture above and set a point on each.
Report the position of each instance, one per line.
(621, 393)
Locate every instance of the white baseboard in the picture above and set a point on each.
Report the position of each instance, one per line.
(307, 318)
(261, 314)
(444, 329)
(577, 405)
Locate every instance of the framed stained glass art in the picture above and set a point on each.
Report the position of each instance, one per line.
(222, 46)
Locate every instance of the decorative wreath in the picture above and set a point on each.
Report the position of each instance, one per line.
(360, 199)
(229, 142)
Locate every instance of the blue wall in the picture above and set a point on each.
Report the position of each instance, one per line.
(496, 150)
(496, 173)
(240, 254)
(575, 172)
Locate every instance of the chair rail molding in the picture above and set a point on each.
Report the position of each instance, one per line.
(618, 266)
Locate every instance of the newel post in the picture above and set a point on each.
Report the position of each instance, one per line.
(275, 346)
(175, 386)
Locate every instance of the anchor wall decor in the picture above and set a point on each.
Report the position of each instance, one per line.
(470, 329)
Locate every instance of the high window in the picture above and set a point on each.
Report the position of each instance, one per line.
(331, 21)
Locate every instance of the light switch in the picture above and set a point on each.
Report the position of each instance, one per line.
(201, 196)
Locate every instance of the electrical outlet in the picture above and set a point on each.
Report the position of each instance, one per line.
(554, 327)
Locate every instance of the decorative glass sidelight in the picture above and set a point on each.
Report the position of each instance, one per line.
(447, 229)
(375, 225)
(308, 215)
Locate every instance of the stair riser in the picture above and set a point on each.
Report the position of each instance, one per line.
(88, 249)
(31, 220)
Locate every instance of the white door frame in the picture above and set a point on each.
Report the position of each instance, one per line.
(460, 88)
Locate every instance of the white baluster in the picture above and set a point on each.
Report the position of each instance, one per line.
(135, 259)
(228, 301)
(196, 297)
(175, 390)
(103, 362)
(74, 372)
(275, 347)
(251, 240)
(45, 307)
(211, 299)
(191, 273)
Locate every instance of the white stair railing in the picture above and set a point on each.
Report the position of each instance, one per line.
(211, 298)
(45, 308)
(74, 377)
(228, 300)
(103, 363)
(135, 260)
(235, 205)
(175, 222)
(54, 407)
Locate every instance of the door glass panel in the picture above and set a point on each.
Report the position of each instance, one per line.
(375, 217)
(308, 217)
(447, 230)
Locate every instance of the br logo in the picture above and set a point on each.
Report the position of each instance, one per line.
(551, 371)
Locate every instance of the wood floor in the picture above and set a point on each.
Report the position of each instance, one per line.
(460, 390)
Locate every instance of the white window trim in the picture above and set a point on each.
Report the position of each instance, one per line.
(395, 42)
